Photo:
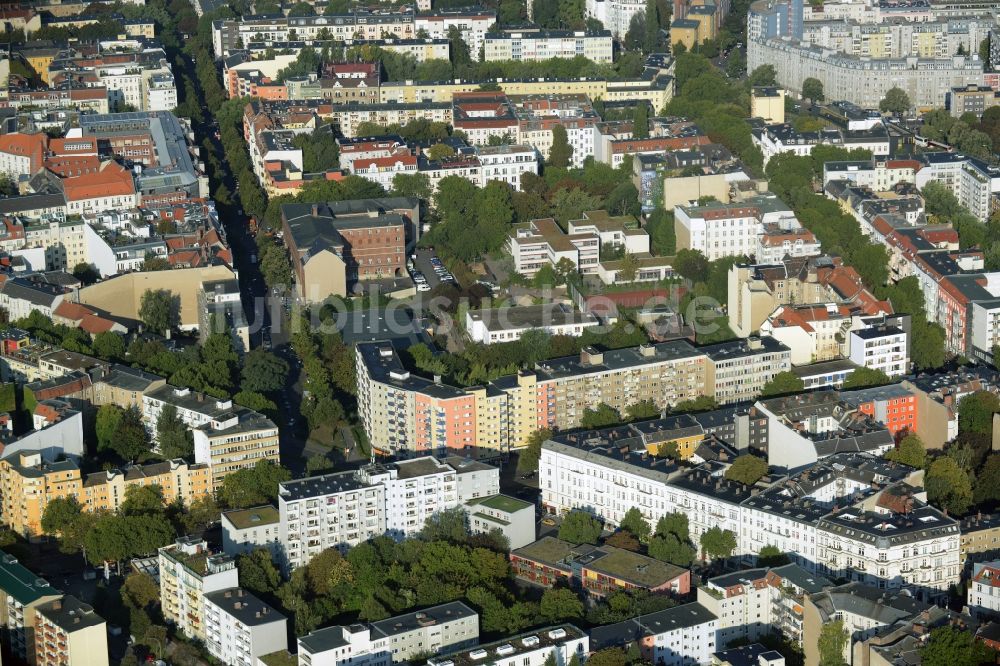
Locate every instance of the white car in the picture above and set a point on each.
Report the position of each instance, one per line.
(423, 286)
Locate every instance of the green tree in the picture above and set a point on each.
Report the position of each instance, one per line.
(910, 451)
(717, 543)
(831, 642)
(671, 542)
(927, 345)
(560, 153)
(258, 573)
(651, 41)
(86, 273)
(691, 264)
(976, 410)
(948, 486)
(158, 310)
(634, 523)
(771, 556)
(605, 415)
(987, 486)
(783, 383)
(560, 604)
(640, 127)
(253, 486)
(614, 656)
(130, 439)
(644, 409)
(950, 645)
(143, 500)
(60, 514)
(109, 345)
(172, 435)
(895, 101)
(528, 457)
(106, 423)
(140, 591)
(747, 469)
(812, 90)
(765, 75)
(412, 185)
(263, 372)
(440, 151)
(580, 527)
(629, 267)
(865, 377)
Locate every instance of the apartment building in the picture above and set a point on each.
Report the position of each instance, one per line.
(544, 243)
(972, 98)
(344, 509)
(472, 23)
(329, 511)
(414, 490)
(754, 603)
(614, 15)
(859, 79)
(864, 610)
(678, 636)
(846, 515)
(402, 411)
(877, 175)
(776, 139)
(813, 333)
(513, 518)
(30, 479)
(333, 247)
(246, 530)
(432, 630)
(597, 570)
(507, 324)
(188, 572)
(880, 347)
(69, 633)
(577, 472)
(240, 628)
(507, 163)
(236, 443)
(756, 291)
(980, 538)
(738, 370)
(22, 593)
(532, 45)
(560, 643)
(983, 595)
(730, 230)
(226, 438)
(973, 181)
(938, 397)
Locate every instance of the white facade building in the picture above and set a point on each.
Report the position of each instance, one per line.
(329, 511)
(189, 571)
(680, 636)
(446, 627)
(345, 509)
(239, 627)
(506, 163)
(616, 15)
(508, 324)
(720, 230)
(880, 348)
(984, 589)
(533, 649)
(533, 45)
(246, 530)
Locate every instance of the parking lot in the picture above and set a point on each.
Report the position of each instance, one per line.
(425, 265)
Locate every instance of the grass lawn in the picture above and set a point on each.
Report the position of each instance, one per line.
(325, 435)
